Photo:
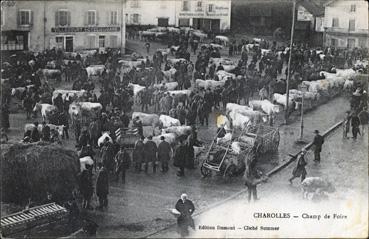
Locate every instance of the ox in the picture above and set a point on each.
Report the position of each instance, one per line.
(46, 110)
(148, 119)
(168, 121)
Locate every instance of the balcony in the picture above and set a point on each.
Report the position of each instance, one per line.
(345, 30)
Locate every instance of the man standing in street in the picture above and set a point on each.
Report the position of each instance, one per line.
(122, 162)
(102, 186)
(318, 142)
(355, 124)
(147, 45)
(185, 220)
(138, 154)
(164, 151)
(180, 157)
(252, 180)
(150, 150)
(299, 170)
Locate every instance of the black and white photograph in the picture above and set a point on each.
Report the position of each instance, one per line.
(184, 119)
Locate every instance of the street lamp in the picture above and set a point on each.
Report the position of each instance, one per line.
(303, 89)
(289, 62)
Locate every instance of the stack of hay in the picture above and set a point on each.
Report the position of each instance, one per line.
(29, 171)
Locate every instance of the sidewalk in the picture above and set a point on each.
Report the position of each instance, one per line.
(339, 157)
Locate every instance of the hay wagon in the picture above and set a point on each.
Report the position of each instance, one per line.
(242, 150)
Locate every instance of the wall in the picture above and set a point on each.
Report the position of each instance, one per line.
(41, 35)
(150, 11)
(341, 10)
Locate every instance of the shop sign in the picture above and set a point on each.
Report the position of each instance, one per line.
(85, 29)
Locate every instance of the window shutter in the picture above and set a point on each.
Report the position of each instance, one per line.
(31, 18)
(109, 16)
(19, 18)
(97, 18)
(107, 43)
(131, 18)
(69, 18)
(139, 18)
(86, 18)
(56, 18)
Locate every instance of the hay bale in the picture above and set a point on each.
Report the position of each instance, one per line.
(32, 170)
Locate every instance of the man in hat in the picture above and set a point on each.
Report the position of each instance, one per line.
(150, 150)
(164, 151)
(102, 186)
(45, 132)
(138, 154)
(180, 157)
(317, 142)
(186, 208)
(300, 170)
(355, 124)
(122, 161)
(138, 124)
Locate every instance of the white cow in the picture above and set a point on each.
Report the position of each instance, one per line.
(168, 121)
(102, 138)
(148, 119)
(169, 74)
(20, 90)
(136, 88)
(46, 110)
(238, 120)
(75, 94)
(85, 161)
(282, 99)
(168, 86)
(95, 70)
(78, 109)
(236, 107)
(179, 92)
(316, 186)
(346, 73)
(58, 128)
(307, 95)
(169, 137)
(349, 85)
(223, 39)
(178, 130)
(265, 105)
(223, 75)
(209, 84)
(174, 61)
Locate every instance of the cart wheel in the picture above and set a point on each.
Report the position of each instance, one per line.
(205, 171)
(230, 171)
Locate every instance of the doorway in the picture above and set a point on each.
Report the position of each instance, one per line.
(69, 44)
(163, 22)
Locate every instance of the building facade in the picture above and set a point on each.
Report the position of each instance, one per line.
(207, 15)
(70, 25)
(346, 24)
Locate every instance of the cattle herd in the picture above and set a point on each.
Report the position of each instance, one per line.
(173, 91)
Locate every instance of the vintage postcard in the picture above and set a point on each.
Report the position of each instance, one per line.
(184, 119)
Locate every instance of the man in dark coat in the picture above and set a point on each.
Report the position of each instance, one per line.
(45, 132)
(102, 186)
(5, 116)
(58, 102)
(86, 187)
(138, 124)
(180, 157)
(318, 142)
(35, 135)
(108, 155)
(164, 151)
(27, 104)
(300, 170)
(138, 154)
(186, 208)
(63, 120)
(84, 139)
(150, 150)
(355, 124)
(122, 162)
(252, 180)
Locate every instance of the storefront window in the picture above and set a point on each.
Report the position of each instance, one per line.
(184, 22)
(59, 42)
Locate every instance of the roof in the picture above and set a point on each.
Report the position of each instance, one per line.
(312, 7)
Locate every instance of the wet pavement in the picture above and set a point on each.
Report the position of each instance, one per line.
(344, 163)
